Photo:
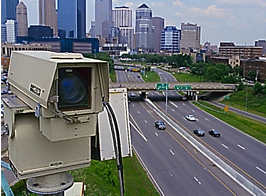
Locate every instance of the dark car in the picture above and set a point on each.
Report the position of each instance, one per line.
(214, 133)
(3, 92)
(199, 132)
(159, 124)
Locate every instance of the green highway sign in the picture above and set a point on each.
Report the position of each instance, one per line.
(161, 86)
(182, 87)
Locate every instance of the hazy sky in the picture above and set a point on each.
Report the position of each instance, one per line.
(241, 21)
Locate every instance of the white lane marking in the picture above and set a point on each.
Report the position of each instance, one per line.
(184, 104)
(146, 168)
(233, 174)
(133, 105)
(145, 139)
(173, 110)
(206, 118)
(225, 146)
(193, 111)
(197, 180)
(138, 112)
(146, 121)
(172, 152)
(261, 170)
(173, 104)
(156, 134)
(241, 147)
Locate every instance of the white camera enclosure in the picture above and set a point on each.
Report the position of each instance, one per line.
(65, 90)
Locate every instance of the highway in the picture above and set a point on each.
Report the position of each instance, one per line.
(164, 75)
(175, 167)
(130, 77)
(241, 112)
(239, 150)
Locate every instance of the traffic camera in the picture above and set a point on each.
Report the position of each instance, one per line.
(53, 115)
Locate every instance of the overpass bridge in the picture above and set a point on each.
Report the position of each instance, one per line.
(193, 87)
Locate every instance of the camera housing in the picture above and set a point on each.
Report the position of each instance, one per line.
(65, 90)
(53, 113)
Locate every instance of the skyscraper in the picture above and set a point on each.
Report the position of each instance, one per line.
(122, 18)
(103, 18)
(144, 28)
(3, 33)
(261, 43)
(157, 28)
(11, 31)
(92, 30)
(22, 20)
(170, 39)
(47, 14)
(72, 18)
(190, 36)
(8, 10)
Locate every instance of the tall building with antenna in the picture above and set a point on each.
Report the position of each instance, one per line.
(47, 15)
(22, 20)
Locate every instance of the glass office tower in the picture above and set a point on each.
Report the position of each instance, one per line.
(72, 18)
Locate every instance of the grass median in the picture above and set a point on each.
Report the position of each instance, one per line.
(151, 76)
(101, 178)
(251, 127)
(187, 77)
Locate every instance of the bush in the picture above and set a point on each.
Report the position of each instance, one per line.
(258, 88)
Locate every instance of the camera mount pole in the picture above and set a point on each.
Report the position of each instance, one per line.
(50, 185)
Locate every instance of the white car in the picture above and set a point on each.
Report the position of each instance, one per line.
(190, 117)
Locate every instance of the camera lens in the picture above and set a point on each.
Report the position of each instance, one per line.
(72, 89)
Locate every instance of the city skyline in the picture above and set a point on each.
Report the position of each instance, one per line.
(220, 20)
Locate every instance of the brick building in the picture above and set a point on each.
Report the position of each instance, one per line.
(257, 65)
(230, 49)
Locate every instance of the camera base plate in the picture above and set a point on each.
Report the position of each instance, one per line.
(50, 184)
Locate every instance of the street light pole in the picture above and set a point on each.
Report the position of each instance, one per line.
(166, 100)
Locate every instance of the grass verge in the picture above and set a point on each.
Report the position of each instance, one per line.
(101, 179)
(247, 125)
(112, 75)
(151, 76)
(256, 104)
(187, 77)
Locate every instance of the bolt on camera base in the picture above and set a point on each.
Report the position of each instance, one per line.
(52, 185)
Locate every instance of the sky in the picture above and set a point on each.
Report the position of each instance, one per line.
(240, 21)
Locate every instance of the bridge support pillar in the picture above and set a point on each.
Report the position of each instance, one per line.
(143, 95)
(196, 97)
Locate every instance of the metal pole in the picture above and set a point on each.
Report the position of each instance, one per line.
(58, 194)
(246, 99)
(166, 97)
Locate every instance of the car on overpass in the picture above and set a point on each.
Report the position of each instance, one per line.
(199, 132)
(191, 117)
(215, 133)
(159, 124)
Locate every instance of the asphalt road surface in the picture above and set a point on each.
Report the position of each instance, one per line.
(165, 76)
(242, 152)
(129, 77)
(174, 165)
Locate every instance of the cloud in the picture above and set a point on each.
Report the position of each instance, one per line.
(157, 4)
(129, 4)
(243, 2)
(211, 11)
(178, 3)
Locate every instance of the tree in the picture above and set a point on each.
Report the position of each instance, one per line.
(240, 87)
(258, 88)
(251, 75)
